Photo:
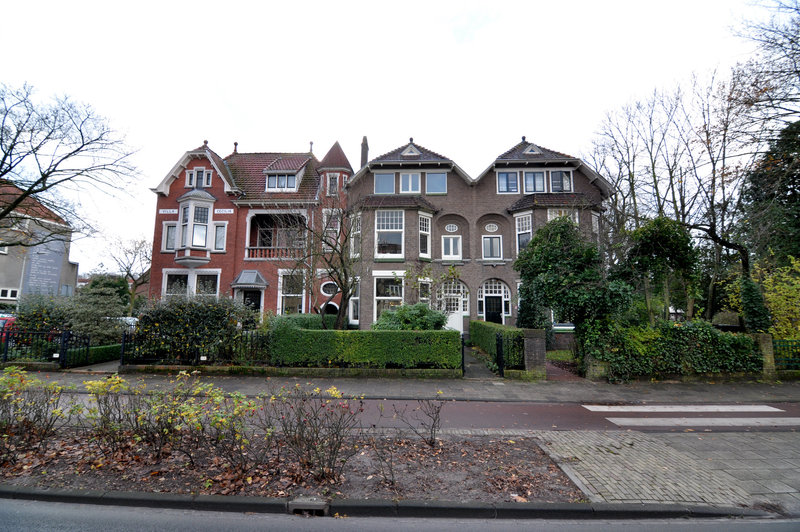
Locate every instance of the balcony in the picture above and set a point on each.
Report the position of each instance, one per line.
(272, 253)
(276, 237)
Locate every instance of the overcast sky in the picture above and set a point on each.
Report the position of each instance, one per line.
(465, 79)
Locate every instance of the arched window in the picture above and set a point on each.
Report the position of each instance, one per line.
(453, 296)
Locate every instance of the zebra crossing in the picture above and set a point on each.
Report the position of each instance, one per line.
(706, 415)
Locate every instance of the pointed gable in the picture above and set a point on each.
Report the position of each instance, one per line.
(412, 155)
(217, 163)
(335, 159)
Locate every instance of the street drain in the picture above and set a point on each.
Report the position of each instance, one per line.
(312, 506)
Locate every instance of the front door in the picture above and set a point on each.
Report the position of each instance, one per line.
(493, 306)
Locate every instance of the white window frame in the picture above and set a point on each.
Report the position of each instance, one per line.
(331, 229)
(401, 231)
(286, 187)
(483, 246)
(425, 219)
(355, 235)
(204, 175)
(427, 191)
(333, 176)
(393, 275)
(523, 224)
(503, 291)
(407, 182)
(572, 214)
(281, 274)
(516, 181)
(3, 250)
(185, 237)
(9, 293)
(224, 227)
(355, 298)
(384, 174)
(451, 289)
(533, 190)
(165, 226)
(460, 253)
(565, 171)
(191, 280)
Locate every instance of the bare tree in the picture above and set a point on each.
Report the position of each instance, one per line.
(133, 260)
(49, 149)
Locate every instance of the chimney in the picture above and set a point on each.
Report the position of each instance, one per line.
(235, 147)
(311, 147)
(364, 152)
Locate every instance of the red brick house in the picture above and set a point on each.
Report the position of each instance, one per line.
(229, 226)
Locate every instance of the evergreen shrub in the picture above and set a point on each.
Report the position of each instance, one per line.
(484, 335)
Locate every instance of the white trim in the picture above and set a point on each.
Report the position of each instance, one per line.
(517, 232)
(410, 183)
(460, 247)
(429, 233)
(284, 272)
(381, 274)
(191, 279)
(175, 239)
(276, 188)
(525, 181)
(350, 304)
(497, 180)
(375, 182)
(214, 248)
(556, 212)
(483, 248)
(402, 232)
(571, 179)
(428, 192)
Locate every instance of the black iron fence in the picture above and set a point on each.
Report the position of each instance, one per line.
(787, 354)
(63, 347)
(245, 348)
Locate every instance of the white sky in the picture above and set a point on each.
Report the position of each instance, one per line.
(465, 79)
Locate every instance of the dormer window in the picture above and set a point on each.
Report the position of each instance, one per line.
(282, 182)
(411, 151)
(532, 150)
(199, 176)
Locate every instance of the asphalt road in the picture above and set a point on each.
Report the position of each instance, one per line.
(49, 516)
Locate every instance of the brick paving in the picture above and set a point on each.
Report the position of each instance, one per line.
(720, 469)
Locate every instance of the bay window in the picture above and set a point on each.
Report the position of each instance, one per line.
(389, 234)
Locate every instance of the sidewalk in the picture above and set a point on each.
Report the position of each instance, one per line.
(628, 469)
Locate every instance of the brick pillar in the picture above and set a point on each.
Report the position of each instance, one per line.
(764, 343)
(535, 350)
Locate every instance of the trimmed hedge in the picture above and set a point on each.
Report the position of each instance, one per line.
(302, 321)
(104, 353)
(484, 335)
(672, 349)
(365, 349)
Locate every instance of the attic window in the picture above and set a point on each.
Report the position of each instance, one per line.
(411, 151)
(201, 176)
(532, 150)
(282, 182)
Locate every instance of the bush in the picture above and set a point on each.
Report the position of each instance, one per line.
(365, 349)
(671, 348)
(300, 321)
(417, 317)
(39, 313)
(104, 353)
(484, 335)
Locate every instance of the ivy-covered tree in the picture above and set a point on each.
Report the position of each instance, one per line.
(772, 199)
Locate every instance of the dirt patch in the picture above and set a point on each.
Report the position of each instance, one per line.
(486, 469)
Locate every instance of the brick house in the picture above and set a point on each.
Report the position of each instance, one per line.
(421, 212)
(229, 226)
(40, 263)
(221, 226)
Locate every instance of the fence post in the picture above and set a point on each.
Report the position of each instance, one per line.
(463, 368)
(7, 341)
(64, 349)
(122, 348)
(499, 357)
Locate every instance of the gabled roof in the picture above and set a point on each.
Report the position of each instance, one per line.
(335, 159)
(414, 156)
(528, 154)
(249, 171)
(29, 207)
(201, 152)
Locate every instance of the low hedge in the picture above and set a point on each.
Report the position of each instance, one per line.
(673, 348)
(104, 353)
(484, 335)
(365, 349)
(302, 321)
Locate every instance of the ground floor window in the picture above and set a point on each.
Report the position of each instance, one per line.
(190, 283)
(355, 304)
(388, 294)
(291, 293)
(453, 297)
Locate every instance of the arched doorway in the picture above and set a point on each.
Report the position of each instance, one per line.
(494, 301)
(452, 298)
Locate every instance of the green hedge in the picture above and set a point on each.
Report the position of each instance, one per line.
(302, 321)
(365, 349)
(672, 349)
(104, 353)
(484, 335)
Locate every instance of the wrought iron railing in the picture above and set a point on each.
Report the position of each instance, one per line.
(64, 347)
(787, 354)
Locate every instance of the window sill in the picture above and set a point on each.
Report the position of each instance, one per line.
(425, 259)
(455, 262)
(397, 259)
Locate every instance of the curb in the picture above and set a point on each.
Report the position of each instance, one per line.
(383, 508)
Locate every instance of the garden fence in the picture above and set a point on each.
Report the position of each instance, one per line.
(249, 348)
(787, 354)
(64, 347)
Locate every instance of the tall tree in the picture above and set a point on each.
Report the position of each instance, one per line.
(47, 149)
(133, 261)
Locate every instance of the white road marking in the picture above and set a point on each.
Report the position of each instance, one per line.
(682, 408)
(705, 422)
